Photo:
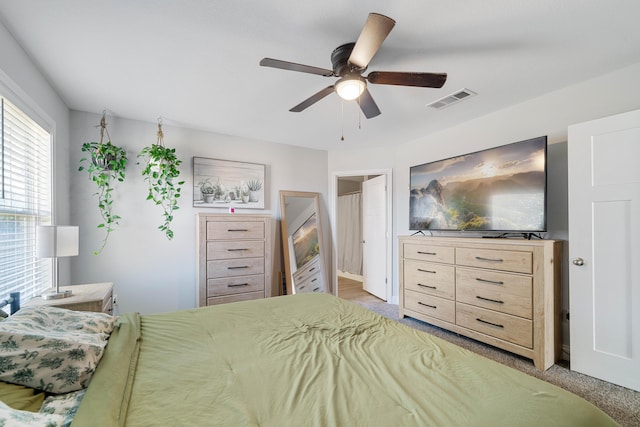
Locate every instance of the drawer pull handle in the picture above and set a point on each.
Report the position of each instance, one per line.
(237, 285)
(427, 253)
(315, 289)
(493, 282)
(489, 323)
(237, 250)
(238, 268)
(428, 305)
(426, 271)
(490, 300)
(427, 286)
(314, 280)
(242, 230)
(479, 258)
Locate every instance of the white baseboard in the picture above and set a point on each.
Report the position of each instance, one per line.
(346, 275)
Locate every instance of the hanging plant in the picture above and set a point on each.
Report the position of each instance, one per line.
(161, 172)
(106, 163)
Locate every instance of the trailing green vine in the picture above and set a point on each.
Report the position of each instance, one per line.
(161, 172)
(106, 163)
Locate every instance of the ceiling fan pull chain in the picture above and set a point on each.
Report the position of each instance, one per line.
(359, 114)
(342, 119)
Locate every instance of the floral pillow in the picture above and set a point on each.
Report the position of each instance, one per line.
(52, 349)
(16, 418)
(46, 318)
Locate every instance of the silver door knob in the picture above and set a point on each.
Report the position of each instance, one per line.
(578, 261)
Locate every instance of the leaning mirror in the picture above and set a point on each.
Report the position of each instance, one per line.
(304, 258)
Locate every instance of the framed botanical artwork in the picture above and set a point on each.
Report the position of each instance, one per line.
(225, 183)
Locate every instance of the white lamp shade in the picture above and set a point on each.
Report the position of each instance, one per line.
(54, 241)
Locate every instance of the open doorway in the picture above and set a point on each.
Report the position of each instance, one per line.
(361, 216)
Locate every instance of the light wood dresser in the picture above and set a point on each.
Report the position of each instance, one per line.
(234, 259)
(503, 292)
(96, 297)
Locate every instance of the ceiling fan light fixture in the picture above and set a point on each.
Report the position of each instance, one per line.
(349, 88)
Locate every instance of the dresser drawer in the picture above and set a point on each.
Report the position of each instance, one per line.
(499, 325)
(107, 304)
(222, 230)
(507, 293)
(516, 261)
(433, 253)
(430, 278)
(439, 308)
(311, 283)
(234, 298)
(308, 278)
(307, 270)
(235, 249)
(235, 285)
(234, 267)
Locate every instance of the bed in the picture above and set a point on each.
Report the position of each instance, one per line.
(307, 360)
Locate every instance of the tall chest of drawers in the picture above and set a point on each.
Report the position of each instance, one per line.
(503, 292)
(234, 259)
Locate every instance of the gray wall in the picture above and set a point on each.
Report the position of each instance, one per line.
(549, 115)
(150, 273)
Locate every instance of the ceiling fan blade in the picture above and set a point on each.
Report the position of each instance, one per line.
(368, 105)
(435, 80)
(313, 99)
(292, 66)
(373, 33)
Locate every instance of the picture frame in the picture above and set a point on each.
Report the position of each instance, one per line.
(221, 183)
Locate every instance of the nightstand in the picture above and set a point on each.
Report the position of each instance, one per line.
(96, 297)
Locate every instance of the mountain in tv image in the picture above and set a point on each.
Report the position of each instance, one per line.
(505, 202)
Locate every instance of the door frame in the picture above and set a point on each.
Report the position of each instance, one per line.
(333, 201)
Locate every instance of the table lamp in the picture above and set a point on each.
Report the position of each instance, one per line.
(55, 241)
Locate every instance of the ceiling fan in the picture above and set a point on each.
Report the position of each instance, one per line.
(350, 60)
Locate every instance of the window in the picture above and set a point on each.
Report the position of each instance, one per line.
(25, 201)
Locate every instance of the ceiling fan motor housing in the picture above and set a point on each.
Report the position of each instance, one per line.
(340, 60)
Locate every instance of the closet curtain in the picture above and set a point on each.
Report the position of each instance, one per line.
(350, 233)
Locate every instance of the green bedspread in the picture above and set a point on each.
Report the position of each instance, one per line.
(309, 360)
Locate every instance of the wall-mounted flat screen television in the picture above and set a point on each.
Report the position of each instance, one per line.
(500, 189)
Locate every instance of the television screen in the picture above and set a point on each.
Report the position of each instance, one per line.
(499, 189)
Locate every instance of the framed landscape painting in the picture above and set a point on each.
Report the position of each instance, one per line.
(225, 183)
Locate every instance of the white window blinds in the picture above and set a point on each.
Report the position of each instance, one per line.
(25, 201)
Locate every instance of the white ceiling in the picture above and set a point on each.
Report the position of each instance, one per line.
(195, 62)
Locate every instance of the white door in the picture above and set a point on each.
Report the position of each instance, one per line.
(374, 236)
(604, 248)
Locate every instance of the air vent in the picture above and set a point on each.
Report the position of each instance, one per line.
(451, 99)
